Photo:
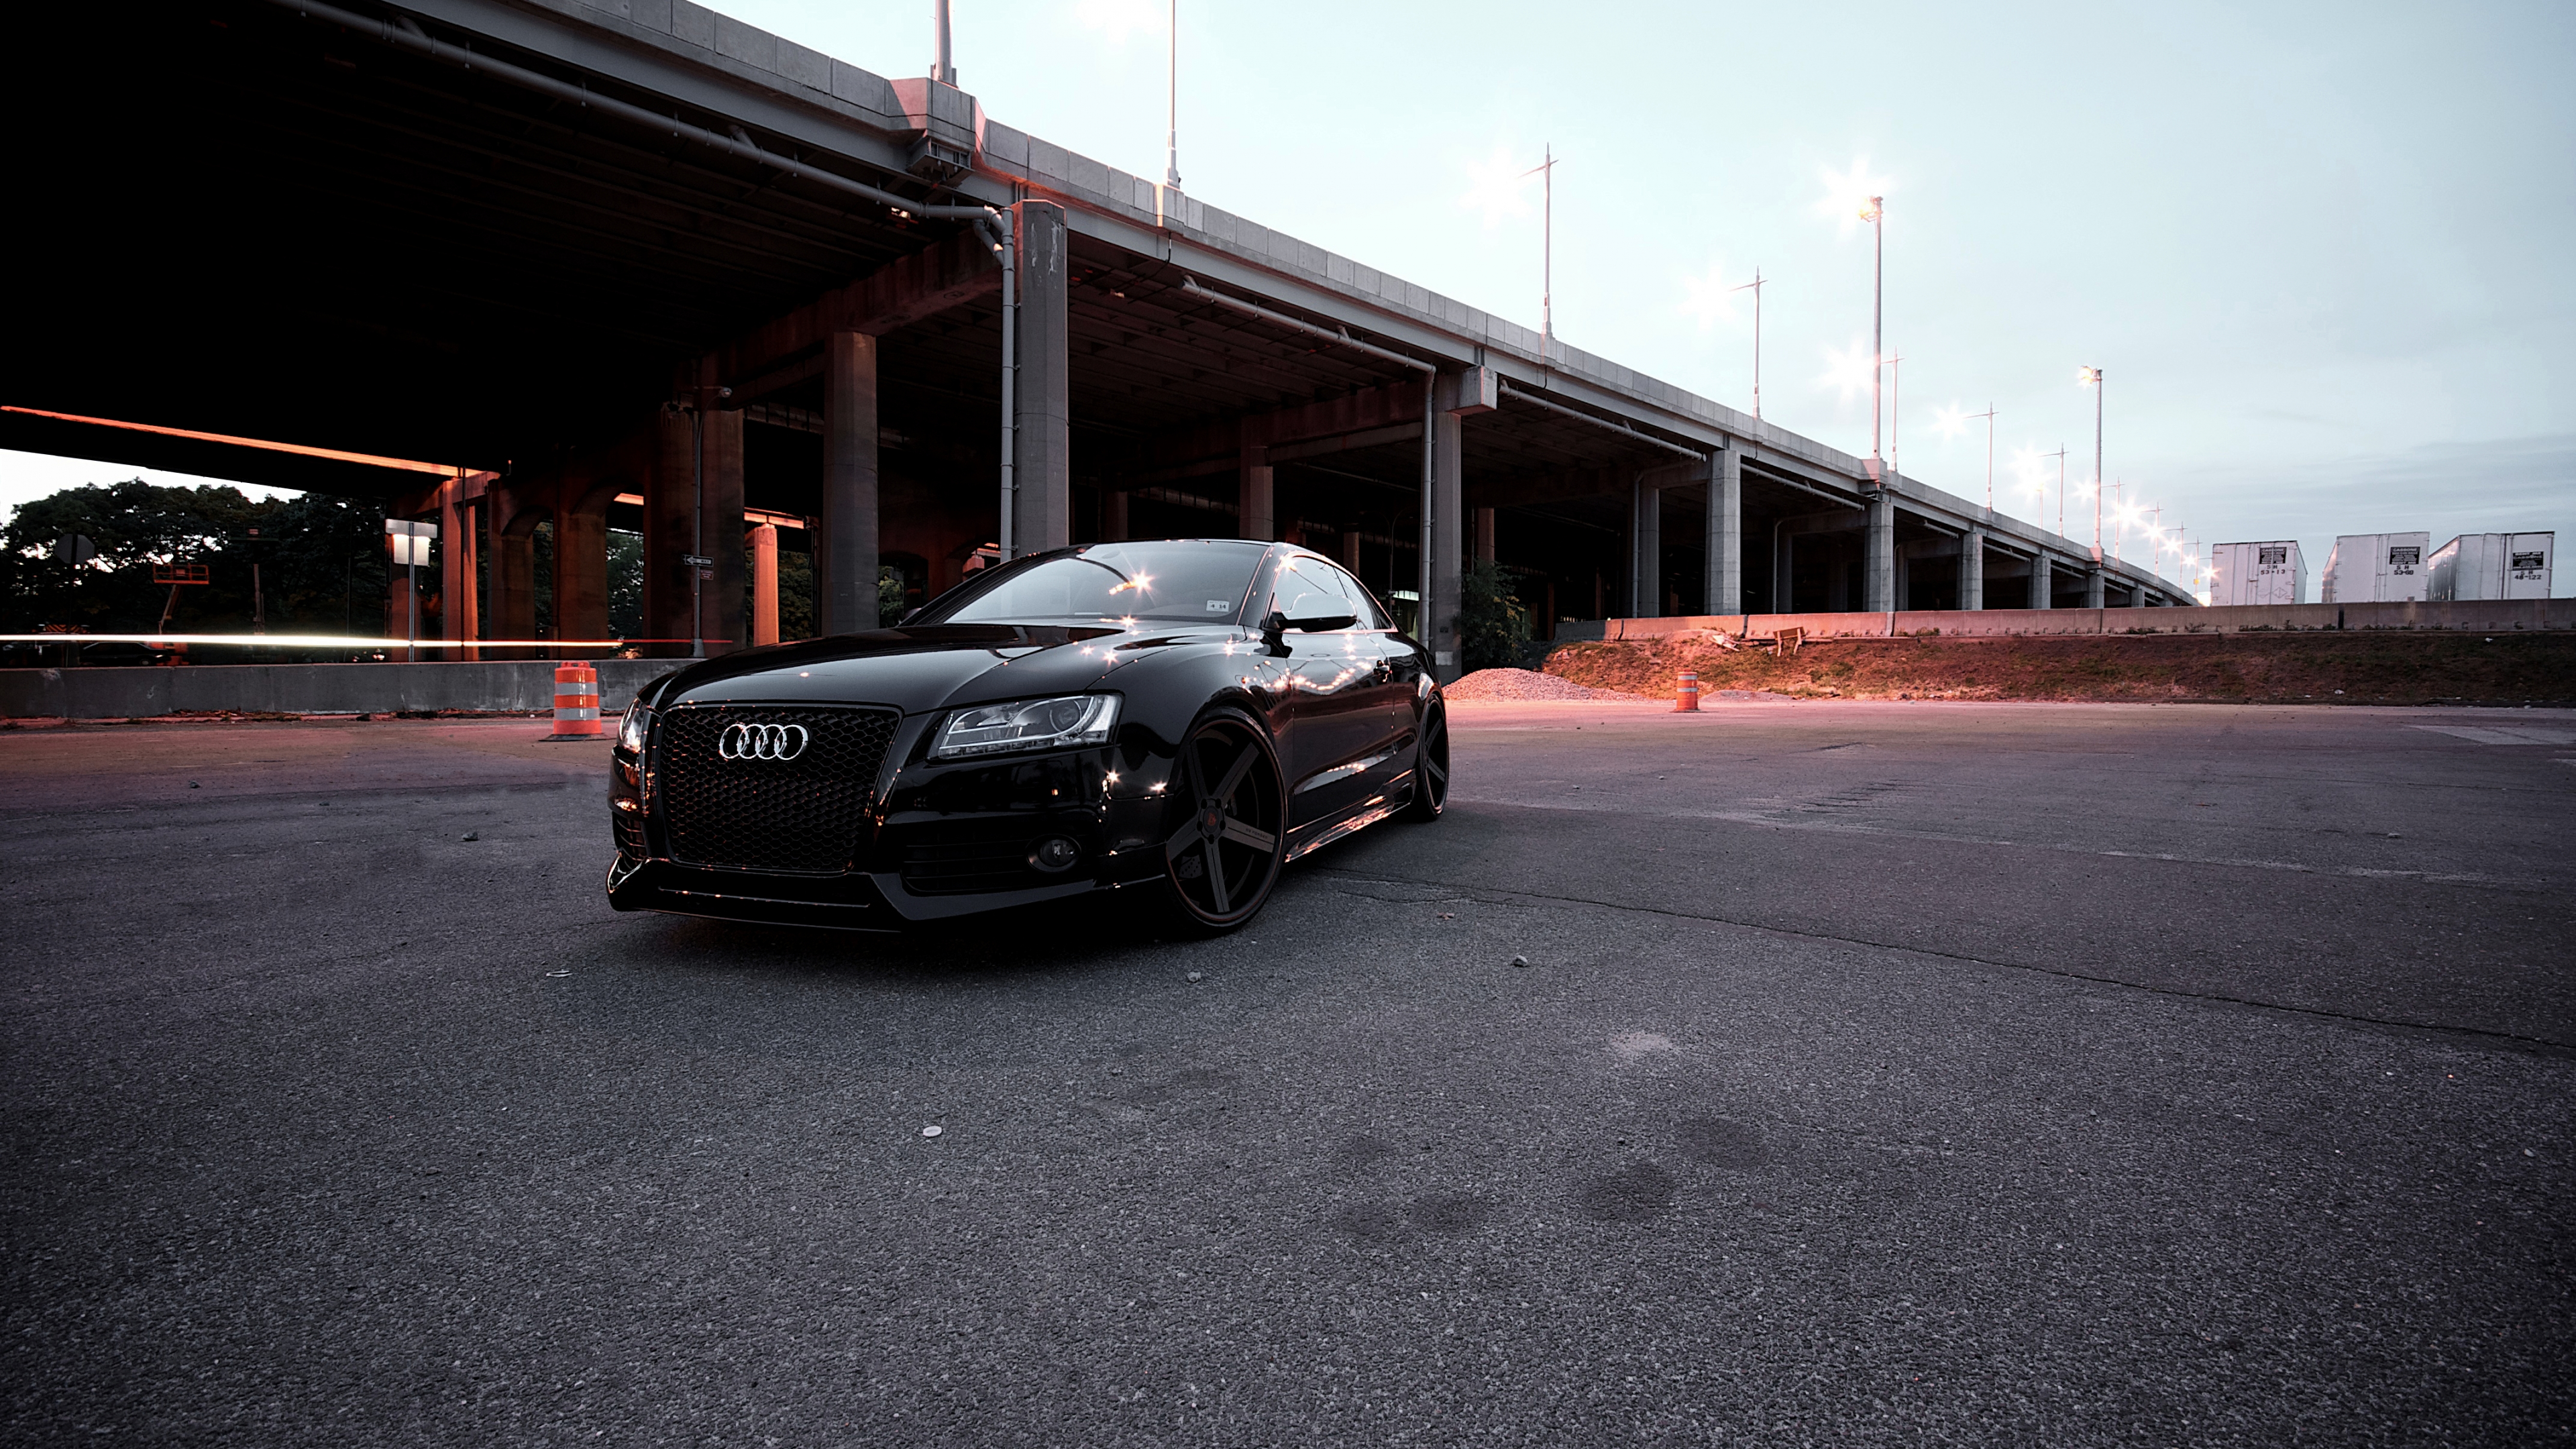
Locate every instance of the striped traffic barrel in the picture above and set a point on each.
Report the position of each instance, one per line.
(1686, 698)
(576, 701)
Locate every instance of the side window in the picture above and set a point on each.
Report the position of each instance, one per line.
(1363, 603)
(1306, 587)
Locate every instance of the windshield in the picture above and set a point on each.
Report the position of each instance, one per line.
(1200, 581)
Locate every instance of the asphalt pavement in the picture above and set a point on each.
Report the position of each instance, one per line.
(1879, 1074)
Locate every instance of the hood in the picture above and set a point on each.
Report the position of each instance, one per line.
(925, 667)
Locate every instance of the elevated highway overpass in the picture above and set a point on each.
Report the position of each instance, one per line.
(639, 263)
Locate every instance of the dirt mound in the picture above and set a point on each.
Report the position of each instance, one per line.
(1526, 684)
(2325, 667)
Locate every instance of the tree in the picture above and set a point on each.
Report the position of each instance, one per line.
(1492, 621)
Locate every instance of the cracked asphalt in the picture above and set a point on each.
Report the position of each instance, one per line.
(1881, 1074)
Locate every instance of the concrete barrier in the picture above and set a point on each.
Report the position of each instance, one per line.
(2496, 617)
(110, 693)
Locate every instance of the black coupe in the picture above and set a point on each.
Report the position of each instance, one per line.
(1180, 717)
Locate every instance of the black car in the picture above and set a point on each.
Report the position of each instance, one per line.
(1181, 718)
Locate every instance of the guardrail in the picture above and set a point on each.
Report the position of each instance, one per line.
(2496, 616)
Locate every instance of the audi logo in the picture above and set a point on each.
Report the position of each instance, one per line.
(761, 742)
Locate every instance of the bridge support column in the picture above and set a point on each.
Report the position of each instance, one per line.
(721, 436)
(1485, 534)
(845, 546)
(1255, 514)
(762, 545)
(1724, 593)
(1113, 515)
(670, 533)
(1972, 570)
(509, 526)
(1440, 611)
(1784, 550)
(1043, 470)
(459, 618)
(2093, 587)
(1645, 552)
(1878, 566)
(581, 561)
(2041, 586)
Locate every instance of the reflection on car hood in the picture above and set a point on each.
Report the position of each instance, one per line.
(929, 666)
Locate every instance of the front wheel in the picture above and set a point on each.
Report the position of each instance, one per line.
(1219, 865)
(1430, 767)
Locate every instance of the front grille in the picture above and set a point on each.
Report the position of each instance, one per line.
(805, 814)
(982, 865)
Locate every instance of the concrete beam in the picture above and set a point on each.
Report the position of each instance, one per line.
(930, 281)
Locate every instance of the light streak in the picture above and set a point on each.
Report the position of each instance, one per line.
(1494, 188)
(327, 641)
(336, 455)
(1848, 371)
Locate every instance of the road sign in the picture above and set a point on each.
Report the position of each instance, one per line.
(697, 561)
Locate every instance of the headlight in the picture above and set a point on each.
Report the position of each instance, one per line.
(1029, 724)
(632, 729)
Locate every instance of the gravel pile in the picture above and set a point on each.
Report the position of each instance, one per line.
(1526, 684)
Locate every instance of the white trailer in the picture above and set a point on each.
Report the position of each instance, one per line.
(2492, 566)
(2258, 573)
(2377, 568)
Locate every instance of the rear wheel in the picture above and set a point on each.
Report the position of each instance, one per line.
(1430, 767)
(1224, 856)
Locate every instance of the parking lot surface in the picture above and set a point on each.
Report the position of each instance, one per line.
(1879, 1073)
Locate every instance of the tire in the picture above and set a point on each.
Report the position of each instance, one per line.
(1430, 767)
(1230, 833)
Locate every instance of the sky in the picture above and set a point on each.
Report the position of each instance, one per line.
(2316, 249)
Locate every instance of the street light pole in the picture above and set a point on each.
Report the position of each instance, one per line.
(1989, 416)
(1756, 287)
(1895, 414)
(1545, 170)
(1172, 100)
(1876, 215)
(2092, 377)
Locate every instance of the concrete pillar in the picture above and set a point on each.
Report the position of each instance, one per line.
(458, 616)
(1724, 592)
(726, 629)
(1440, 611)
(1351, 550)
(581, 563)
(2093, 586)
(671, 535)
(1255, 516)
(1043, 471)
(2041, 586)
(1972, 570)
(763, 548)
(1485, 534)
(845, 545)
(510, 569)
(1784, 548)
(1113, 515)
(1878, 565)
(1646, 553)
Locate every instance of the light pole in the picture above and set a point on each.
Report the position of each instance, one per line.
(1989, 416)
(2092, 377)
(1172, 101)
(1755, 286)
(1895, 414)
(1875, 213)
(1545, 170)
(2060, 456)
(942, 62)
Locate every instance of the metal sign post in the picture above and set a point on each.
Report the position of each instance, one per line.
(411, 545)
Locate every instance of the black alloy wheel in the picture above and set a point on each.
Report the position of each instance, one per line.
(1223, 859)
(1430, 767)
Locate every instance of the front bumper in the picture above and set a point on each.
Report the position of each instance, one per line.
(942, 839)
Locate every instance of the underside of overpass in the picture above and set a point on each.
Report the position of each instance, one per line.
(652, 269)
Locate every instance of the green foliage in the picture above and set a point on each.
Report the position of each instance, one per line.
(625, 584)
(890, 605)
(321, 560)
(1492, 621)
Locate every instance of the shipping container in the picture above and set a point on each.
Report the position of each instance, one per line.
(2491, 566)
(2258, 573)
(2377, 568)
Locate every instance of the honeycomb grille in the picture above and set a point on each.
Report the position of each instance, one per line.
(805, 814)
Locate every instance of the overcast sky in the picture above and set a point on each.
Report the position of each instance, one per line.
(2321, 250)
